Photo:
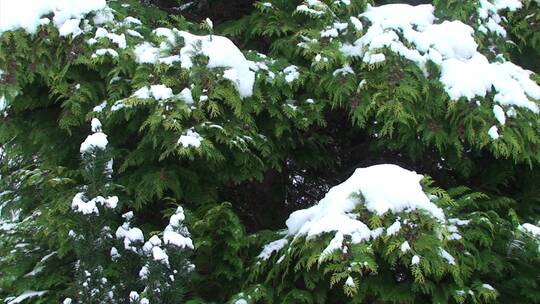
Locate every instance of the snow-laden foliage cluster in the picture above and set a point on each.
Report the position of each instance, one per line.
(150, 159)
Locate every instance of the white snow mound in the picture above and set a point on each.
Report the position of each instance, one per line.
(384, 187)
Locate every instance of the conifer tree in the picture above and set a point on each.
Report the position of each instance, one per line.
(275, 151)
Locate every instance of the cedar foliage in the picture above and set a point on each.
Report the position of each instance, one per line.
(260, 158)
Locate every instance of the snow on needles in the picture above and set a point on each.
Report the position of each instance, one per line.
(27, 14)
(384, 188)
(221, 53)
(450, 44)
(97, 140)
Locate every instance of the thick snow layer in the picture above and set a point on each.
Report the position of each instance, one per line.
(383, 187)
(176, 239)
(79, 205)
(27, 14)
(176, 233)
(160, 255)
(161, 92)
(97, 140)
(272, 247)
(70, 27)
(450, 44)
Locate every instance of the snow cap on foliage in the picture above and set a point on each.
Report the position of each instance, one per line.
(272, 247)
(530, 228)
(27, 14)
(450, 44)
(176, 233)
(221, 53)
(90, 207)
(98, 140)
(383, 188)
(129, 236)
(191, 139)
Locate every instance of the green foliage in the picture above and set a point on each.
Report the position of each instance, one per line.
(315, 114)
(449, 261)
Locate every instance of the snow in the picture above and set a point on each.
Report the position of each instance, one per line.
(176, 239)
(104, 16)
(186, 96)
(158, 92)
(493, 132)
(176, 219)
(144, 272)
(445, 255)
(405, 246)
(102, 52)
(129, 235)
(394, 228)
(335, 244)
(450, 44)
(272, 247)
(100, 107)
(120, 40)
(346, 69)
(384, 188)
(400, 15)
(134, 33)
(79, 205)
(487, 286)
(128, 215)
(161, 92)
(530, 228)
(291, 73)
(94, 141)
(132, 20)
(511, 5)
(96, 125)
(133, 296)
(209, 23)
(350, 282)
(67, 301)
(415, 260)
(114, 253)
(499, 114)
(146, 53)
(159, 255)
(142, 93)
(70, 27)
(357, 24)
(221, 53)
(191, 139)
(24, 296)
(175, 233)
(27, 14)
